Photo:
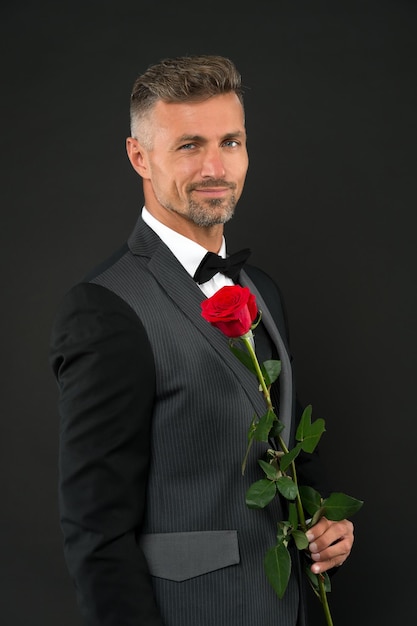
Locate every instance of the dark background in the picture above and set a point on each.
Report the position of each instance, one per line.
(328, 209)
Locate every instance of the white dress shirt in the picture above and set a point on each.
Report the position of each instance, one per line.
(188, 252)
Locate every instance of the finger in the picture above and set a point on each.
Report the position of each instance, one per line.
(330, 533)
(321, 567)
(333, 556)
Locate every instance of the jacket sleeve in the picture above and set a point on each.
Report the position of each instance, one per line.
(104, 367)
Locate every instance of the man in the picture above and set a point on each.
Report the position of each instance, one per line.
(155, 408)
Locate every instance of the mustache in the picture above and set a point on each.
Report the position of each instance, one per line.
(212, 182)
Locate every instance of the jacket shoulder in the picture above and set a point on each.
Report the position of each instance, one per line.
(106, 264)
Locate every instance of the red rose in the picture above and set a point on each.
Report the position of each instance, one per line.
(232, 310)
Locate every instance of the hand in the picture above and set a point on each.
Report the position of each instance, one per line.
(330, 543)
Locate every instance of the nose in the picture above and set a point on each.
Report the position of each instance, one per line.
(212, 163)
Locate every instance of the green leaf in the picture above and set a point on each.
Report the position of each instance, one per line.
(310, 499)
(287, 487)
(287, 459)
(260, 493)
(338, 506)
(312, 436)
(317, 515)
(283, 530)
(313, 580)
(277, 564)
(327, 583)
(277, 428)
(243, 357)
(270, 470)
(271, 370)
(300, 539)
(263, 427)
(309, 433)
(305, 423)
(252, 429)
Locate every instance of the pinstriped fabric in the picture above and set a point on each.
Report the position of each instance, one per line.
(285, 379)
(205, 400)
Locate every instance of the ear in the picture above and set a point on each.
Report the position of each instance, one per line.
(137, 156)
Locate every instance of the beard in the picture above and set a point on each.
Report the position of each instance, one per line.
(208, 212)
(212, 211)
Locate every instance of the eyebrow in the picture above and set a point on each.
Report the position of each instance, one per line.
(200, 138)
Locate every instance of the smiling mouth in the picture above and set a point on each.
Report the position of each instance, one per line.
(212, 190)
(212, 185)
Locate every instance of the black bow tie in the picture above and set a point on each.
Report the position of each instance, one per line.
(213, 263)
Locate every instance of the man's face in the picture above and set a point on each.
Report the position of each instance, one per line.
(197, 165)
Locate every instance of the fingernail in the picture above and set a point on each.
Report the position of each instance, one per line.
(313, 547)
(316, 569)
(310, 536)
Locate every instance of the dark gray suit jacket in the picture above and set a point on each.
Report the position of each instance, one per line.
(155, 411)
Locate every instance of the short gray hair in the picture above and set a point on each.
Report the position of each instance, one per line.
(181, 79)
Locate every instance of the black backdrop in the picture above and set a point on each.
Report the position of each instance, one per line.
(329, 209)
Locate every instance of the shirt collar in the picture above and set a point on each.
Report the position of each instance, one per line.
(188, 252)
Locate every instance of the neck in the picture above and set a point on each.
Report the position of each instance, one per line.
(209, 237)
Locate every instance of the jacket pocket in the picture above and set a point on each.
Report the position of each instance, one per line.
(180, 556)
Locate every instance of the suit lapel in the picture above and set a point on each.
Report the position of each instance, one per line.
(285, 377)
(183, 290)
